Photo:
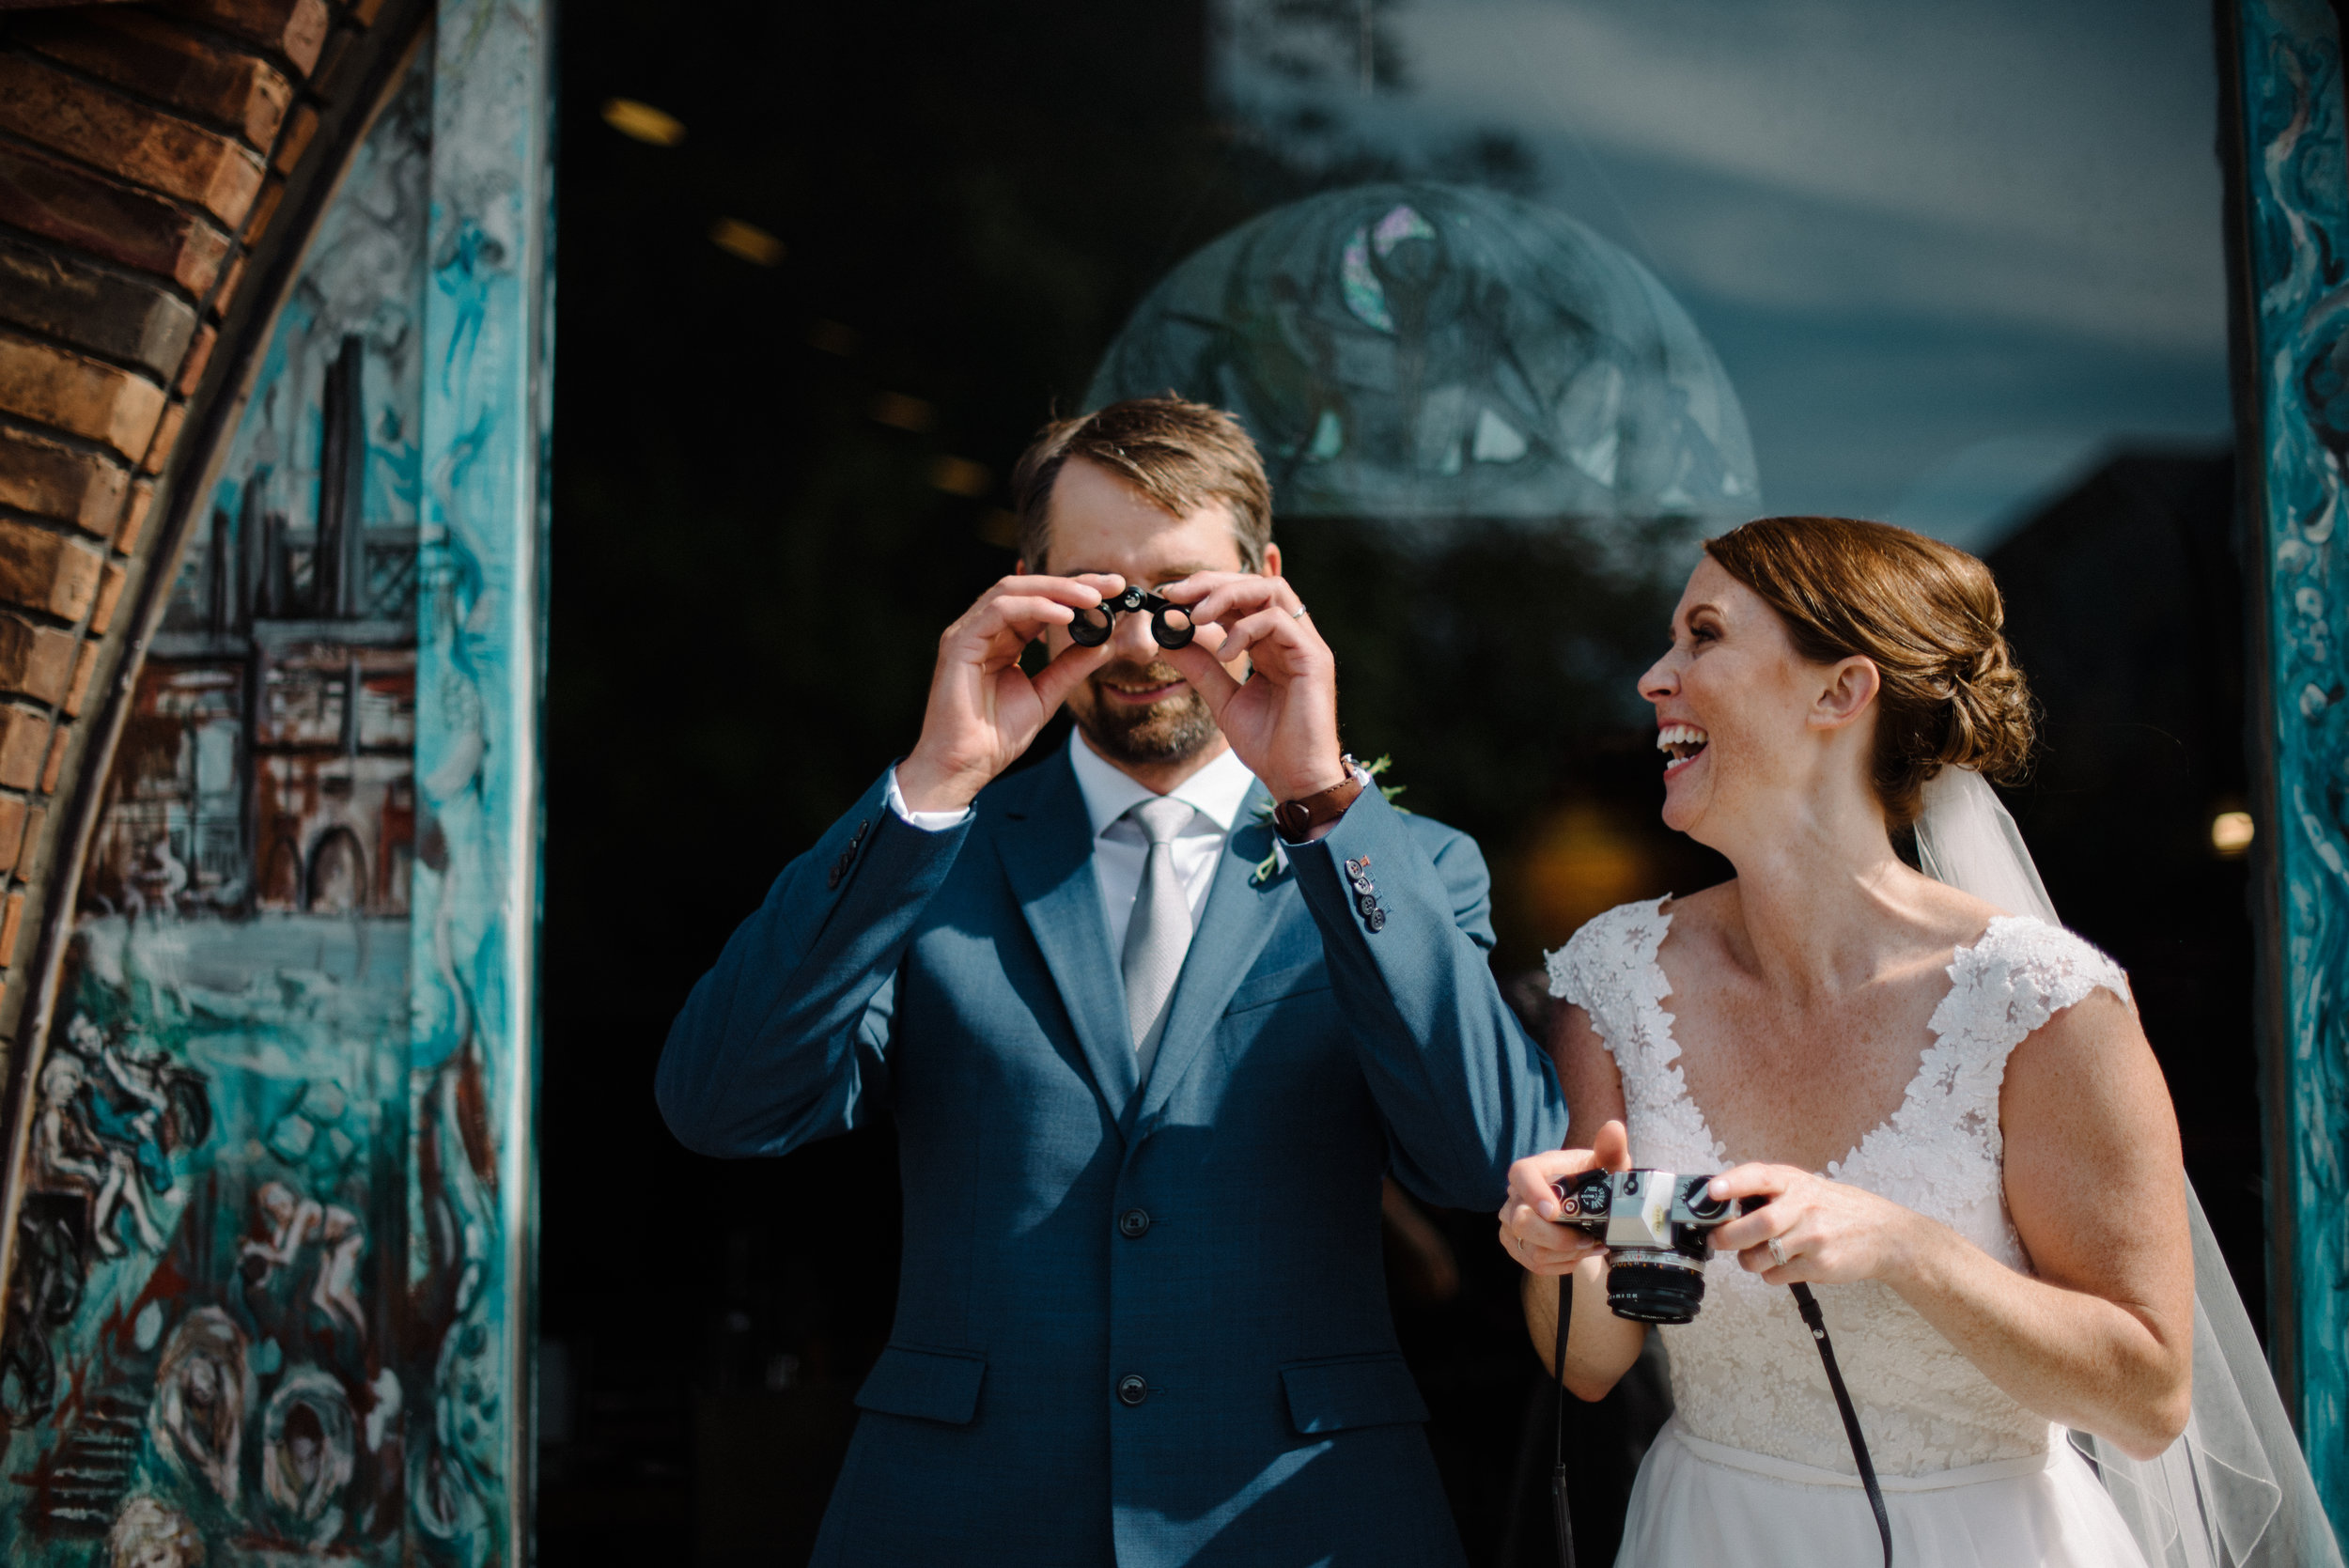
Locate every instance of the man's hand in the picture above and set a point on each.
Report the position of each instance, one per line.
(983, 709)
(1283, 719)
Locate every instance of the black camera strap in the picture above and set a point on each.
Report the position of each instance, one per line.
(1808, 1306)
(1558, 1466)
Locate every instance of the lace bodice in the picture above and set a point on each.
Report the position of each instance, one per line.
(1745, 1372)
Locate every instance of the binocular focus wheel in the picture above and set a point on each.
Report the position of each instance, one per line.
(1172, 636)
(1092, 634)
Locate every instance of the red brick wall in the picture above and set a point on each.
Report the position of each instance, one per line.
(160, 167)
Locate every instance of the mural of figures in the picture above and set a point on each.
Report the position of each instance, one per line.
(263, 1304)
(149, 1535)
(203, 1387)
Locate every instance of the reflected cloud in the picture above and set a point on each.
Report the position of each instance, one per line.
(1976, 497)
(1907, 231)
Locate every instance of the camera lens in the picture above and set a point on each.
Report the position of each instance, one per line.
(1655, 1291)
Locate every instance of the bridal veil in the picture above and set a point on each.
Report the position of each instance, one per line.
(2234, 1491)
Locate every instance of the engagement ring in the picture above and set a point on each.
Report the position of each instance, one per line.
(1778, 1253)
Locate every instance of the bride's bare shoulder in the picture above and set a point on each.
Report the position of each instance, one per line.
(1704, 908)
(1950, 917)
(1700, 925)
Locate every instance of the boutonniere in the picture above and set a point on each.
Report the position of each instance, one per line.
(1278, 861)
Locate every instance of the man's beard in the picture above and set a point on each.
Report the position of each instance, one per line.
(1171, 729)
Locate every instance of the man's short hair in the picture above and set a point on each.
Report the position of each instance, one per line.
(1181, 455)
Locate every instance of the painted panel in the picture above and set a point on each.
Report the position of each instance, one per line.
(2298, 263)
(481, 613)
(269, 1299)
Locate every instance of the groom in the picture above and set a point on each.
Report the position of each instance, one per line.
(1150, 1044)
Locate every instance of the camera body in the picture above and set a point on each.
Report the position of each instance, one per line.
(1655, 1224)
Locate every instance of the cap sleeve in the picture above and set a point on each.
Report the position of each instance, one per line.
(1608, 968)
(2021, 973)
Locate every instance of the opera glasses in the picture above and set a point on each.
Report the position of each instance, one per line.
(1088, 631)
(1655, 1223)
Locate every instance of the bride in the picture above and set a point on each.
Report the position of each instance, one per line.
(1961, 1137)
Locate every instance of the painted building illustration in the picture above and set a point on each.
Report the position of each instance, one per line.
(265, 1292)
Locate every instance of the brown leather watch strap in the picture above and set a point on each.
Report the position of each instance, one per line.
(1296, 819)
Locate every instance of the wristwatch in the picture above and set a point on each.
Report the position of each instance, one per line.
(1296, 819)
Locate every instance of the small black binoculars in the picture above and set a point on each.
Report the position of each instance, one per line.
(1092, 633)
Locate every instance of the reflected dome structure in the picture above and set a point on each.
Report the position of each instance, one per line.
(1420, 352)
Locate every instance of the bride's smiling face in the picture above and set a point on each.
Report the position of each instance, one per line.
(1744, 720)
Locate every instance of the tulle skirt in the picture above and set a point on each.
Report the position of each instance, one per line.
(1699, 1504)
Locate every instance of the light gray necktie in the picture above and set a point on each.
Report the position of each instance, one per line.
(1160, 933)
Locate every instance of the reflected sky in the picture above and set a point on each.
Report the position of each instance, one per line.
(1948, 254)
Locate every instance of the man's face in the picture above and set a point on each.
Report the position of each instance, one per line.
(1136, 708)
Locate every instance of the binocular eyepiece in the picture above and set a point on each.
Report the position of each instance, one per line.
(1092, 633)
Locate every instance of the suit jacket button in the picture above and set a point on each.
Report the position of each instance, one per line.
(1132, 1389)
(1133, 1224)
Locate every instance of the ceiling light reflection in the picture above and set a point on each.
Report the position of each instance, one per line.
(900, 412)
(961, 477)
(2230, 832)
(749, 242)
(643, 122)
(1000, 527)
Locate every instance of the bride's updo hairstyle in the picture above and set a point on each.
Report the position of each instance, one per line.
(1926, 612)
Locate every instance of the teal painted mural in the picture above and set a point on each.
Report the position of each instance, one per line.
(2298, 277)
(488, 345)
(271, 1298)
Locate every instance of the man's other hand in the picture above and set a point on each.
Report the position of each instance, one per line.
(983, 709)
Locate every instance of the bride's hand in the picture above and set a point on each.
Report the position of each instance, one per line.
(1529, 1231)
(1823, 1231)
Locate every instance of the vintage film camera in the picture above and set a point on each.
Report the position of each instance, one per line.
(1655, 1223)
(1088, 634)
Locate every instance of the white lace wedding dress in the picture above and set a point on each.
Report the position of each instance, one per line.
(1754, 1469)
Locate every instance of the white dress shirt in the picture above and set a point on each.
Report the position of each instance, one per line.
(1215, 793)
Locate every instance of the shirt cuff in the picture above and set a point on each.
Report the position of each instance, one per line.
(928, 821)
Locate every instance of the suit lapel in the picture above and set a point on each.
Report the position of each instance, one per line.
(1047, 853)
(1233, 925)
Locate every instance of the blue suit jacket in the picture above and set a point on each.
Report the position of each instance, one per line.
(1139, 1323)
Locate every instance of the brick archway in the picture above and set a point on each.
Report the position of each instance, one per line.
(163, 167)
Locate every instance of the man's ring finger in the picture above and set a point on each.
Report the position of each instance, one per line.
(1778, 1253)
